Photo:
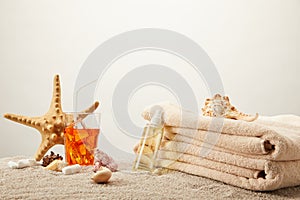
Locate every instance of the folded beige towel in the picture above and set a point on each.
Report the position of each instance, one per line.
(278, 174)
(274, 138)
(260, 155)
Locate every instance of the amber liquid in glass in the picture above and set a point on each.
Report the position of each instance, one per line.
(80, 145)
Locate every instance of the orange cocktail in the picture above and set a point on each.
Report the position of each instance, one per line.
(80, 145)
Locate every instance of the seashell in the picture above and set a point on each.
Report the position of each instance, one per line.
(102, 159)
(56, 165)
(102, 176)
(220, 106)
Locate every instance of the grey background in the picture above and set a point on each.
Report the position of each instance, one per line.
(255, 46)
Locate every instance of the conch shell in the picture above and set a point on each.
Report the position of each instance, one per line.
(219, 106)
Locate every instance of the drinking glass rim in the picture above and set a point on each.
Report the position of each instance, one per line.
(99, 113)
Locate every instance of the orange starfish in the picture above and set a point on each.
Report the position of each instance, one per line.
(52, 124)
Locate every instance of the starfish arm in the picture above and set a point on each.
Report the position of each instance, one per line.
(33, 122)
(48, 141)
(91, 109)
(43, 148)
(56, 97)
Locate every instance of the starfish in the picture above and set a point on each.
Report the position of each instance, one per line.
(51, 125)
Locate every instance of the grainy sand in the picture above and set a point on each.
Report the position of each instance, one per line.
(37, 183)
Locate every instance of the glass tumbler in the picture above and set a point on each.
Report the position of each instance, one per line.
(81, 138)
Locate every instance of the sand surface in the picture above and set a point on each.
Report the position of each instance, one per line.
(38, 183)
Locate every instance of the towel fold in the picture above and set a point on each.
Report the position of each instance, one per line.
(260, 155)
(279, 174)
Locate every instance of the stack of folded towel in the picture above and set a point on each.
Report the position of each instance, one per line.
(260, 155)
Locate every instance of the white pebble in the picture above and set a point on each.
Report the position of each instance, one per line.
(33, 162)
(22, 163)
(72, 169)
(12, 165)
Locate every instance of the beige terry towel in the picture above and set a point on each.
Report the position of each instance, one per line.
(277, 174)
(249, 173)
(273, 138)
(260, 155)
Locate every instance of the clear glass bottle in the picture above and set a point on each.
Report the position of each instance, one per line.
(149, 144)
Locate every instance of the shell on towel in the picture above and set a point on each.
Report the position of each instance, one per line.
(219, 106)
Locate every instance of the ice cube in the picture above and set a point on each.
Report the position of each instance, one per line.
(82, 149)
(81, 134)
(69, 137)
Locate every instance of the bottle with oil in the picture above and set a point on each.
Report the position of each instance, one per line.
(149, 143)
